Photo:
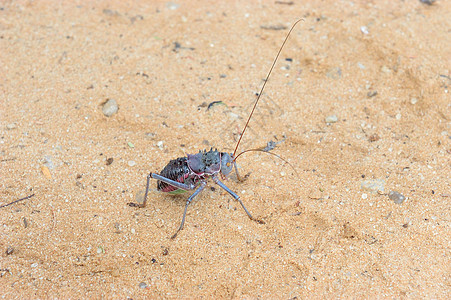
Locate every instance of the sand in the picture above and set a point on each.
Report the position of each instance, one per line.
(359, 105)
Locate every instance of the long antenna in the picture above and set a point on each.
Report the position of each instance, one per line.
(264, 84)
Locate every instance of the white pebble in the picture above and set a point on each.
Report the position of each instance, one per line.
(364, 29)
(110, 108)
(331, 119)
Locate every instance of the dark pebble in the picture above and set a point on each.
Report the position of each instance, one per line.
(9, 250)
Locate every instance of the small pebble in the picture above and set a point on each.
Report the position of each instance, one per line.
(371, 94)
(9, 250)
(130, 144)
(109, 161)
(413, 101)
(364, 29)
(11, 126)
(143, 285)
(373, 186)
(160, 145)
(397, 197)
(131, 163)
(34, 265)
(398, 116)
(331, 119)
(172, 5)
(110, 108)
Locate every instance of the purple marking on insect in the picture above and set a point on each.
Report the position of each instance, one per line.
(191, 172)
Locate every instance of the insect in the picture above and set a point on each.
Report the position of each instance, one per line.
(193, 171)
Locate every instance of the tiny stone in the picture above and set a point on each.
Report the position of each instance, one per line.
(172, 5)
(143, 285)
(364, 29)
(373, 186)
(131, 163)
(109, 161)
(331, 119)
(364, 196)
(160, 145)
(397, 197)
(110, 108)
(9, 250)
(398, 116)
(11, 126)
(413, 101)
(371, 94)
(34, 265)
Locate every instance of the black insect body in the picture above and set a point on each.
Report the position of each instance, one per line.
(192, 172)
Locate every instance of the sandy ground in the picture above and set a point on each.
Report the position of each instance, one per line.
(382, 68)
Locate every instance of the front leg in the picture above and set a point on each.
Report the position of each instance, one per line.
(234, 195)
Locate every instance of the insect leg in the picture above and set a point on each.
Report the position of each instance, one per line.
(234, 195)
(179, 185)
(188, 201)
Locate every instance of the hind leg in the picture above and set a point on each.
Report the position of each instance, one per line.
(176, 184)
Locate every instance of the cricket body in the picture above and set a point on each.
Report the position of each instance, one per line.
(193, 171)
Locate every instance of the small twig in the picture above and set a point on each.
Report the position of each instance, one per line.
(25, 198)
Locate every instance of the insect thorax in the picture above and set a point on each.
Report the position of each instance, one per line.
(205, 162)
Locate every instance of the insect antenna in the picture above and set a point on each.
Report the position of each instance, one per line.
(260, 150)
(263, 87)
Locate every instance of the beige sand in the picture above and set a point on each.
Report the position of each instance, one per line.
(381, 67)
